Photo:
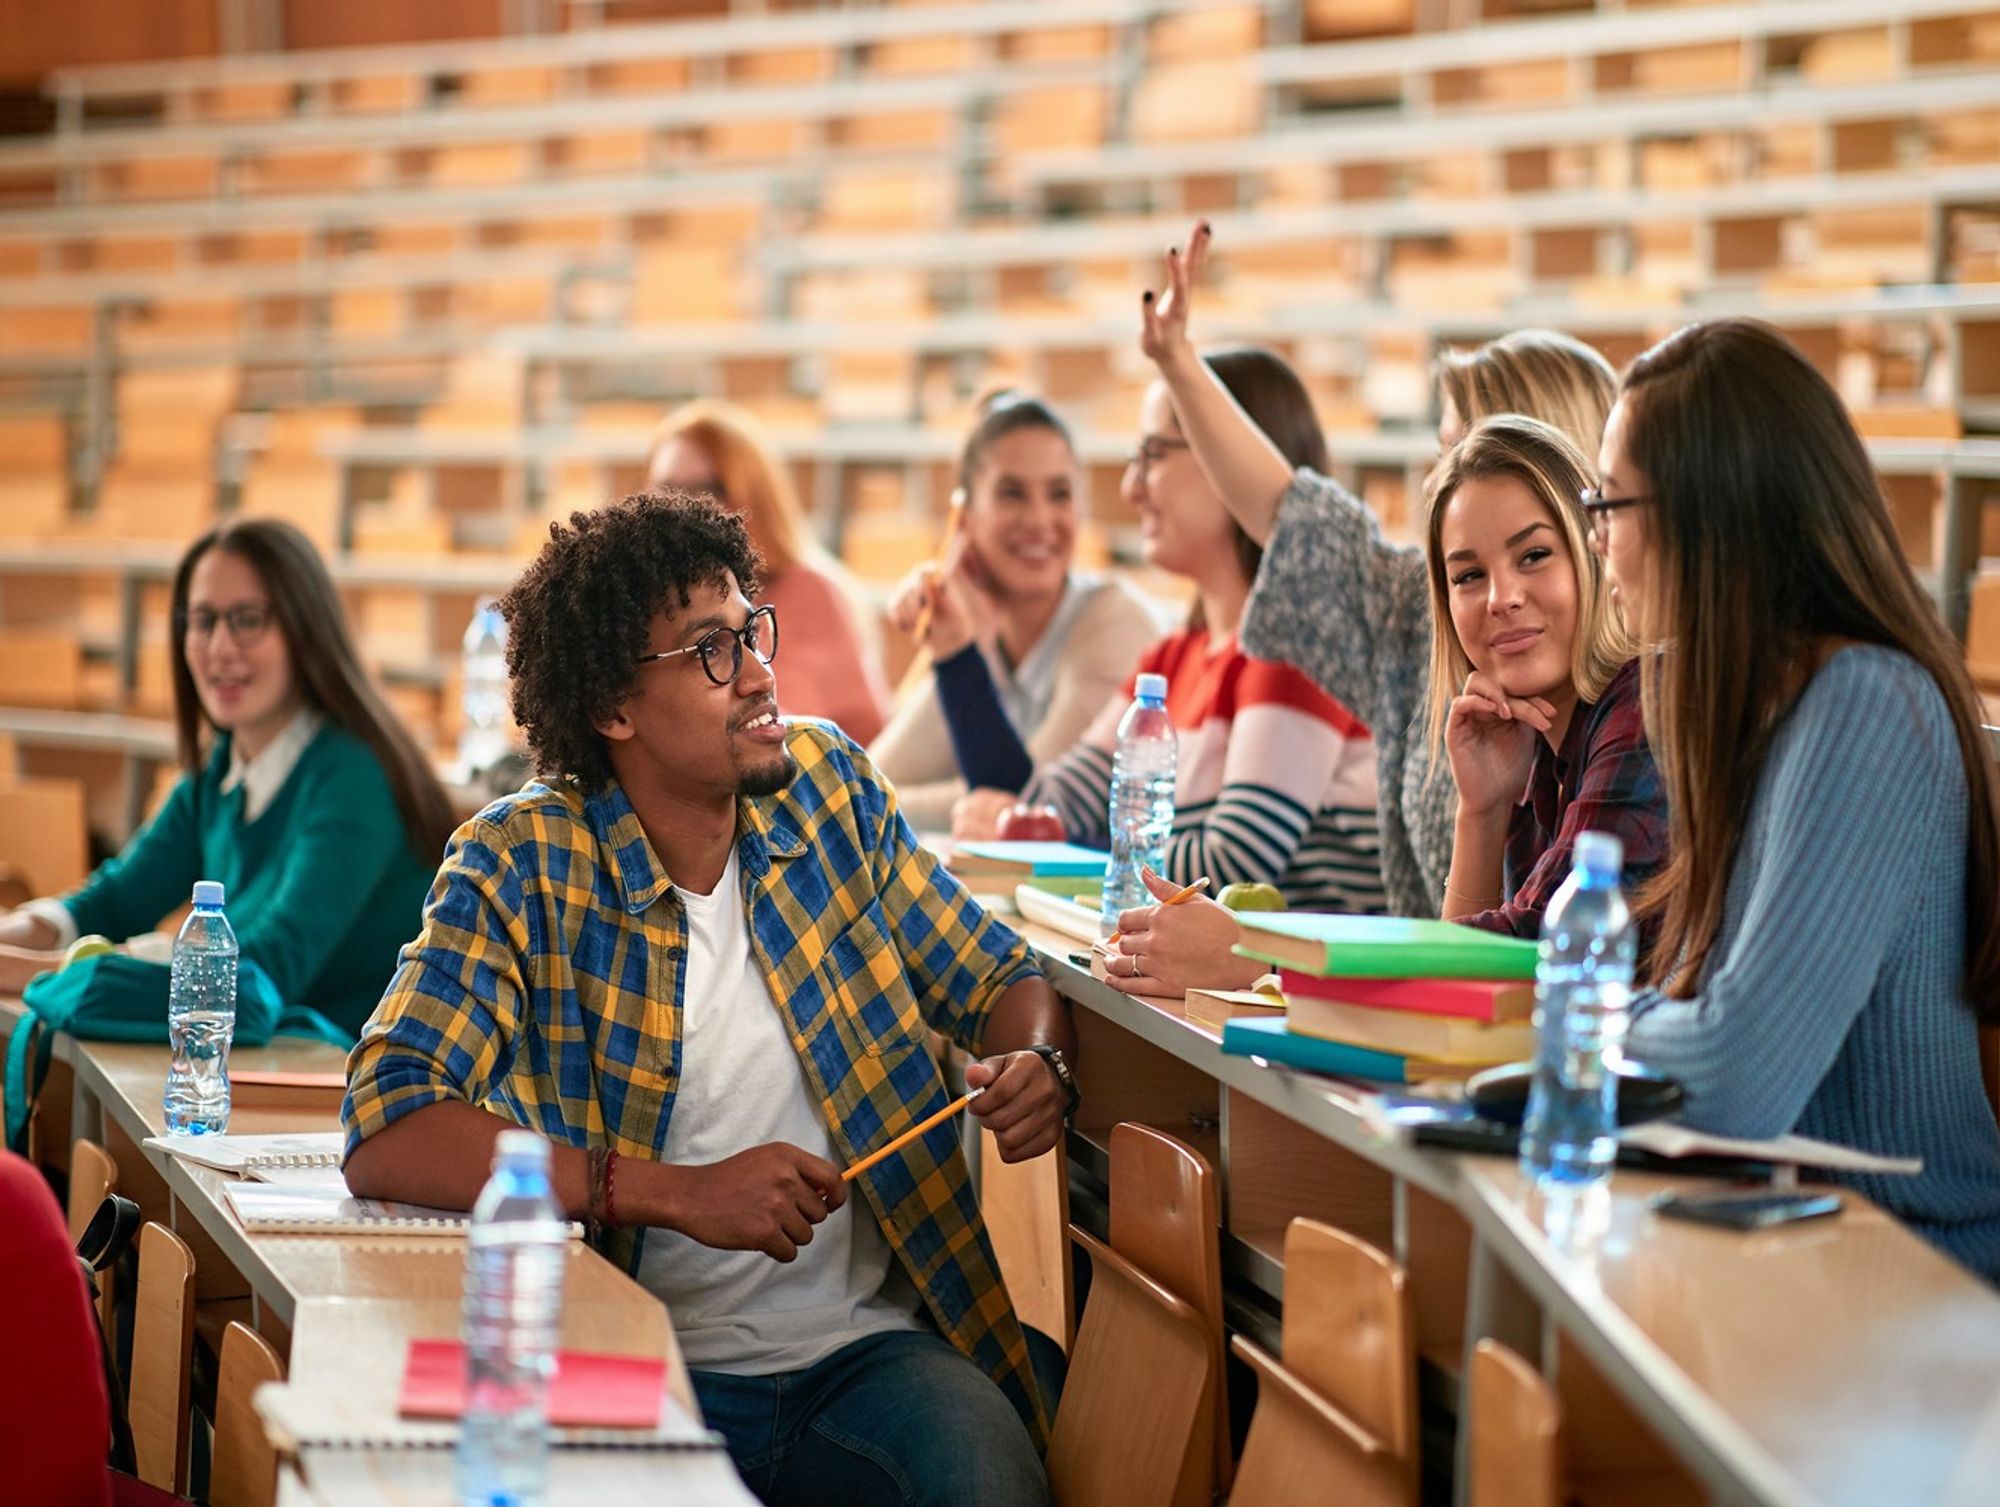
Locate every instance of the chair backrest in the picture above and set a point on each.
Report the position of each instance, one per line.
(1130, 1427)
(93, 1177)
(1166, 1218)
(1026, 1209)
(1514, 1445)
(162, 1350)
(45, 831)
(1336, 1419)
(245, 1469)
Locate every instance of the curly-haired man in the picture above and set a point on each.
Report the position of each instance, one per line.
(699, 953)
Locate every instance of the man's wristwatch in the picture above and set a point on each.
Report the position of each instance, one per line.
(1065, 1079)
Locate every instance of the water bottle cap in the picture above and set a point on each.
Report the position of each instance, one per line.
(1600, 852)
(208, 892)
(1152, 688)
(521, 1149)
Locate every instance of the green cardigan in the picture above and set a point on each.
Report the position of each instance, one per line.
(322, 887)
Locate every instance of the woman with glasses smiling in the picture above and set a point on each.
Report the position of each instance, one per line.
(302, 793)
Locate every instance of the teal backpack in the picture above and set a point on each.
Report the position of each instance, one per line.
(113, 997)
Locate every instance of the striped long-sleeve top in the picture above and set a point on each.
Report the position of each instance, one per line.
(1275, 783)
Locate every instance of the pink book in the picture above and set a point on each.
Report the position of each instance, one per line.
(1469, 999)
(587, 1391)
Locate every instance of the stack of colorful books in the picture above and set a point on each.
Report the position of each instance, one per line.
(1388, 998)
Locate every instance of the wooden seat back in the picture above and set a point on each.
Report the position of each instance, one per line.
(1514, 1444)
(93, 1177)
(245, 1471)
(162, 1351)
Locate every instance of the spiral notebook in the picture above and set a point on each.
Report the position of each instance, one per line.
(284, 1208)
(307, 1419)
(303, 1159)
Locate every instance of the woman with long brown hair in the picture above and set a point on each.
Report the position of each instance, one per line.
(301, 791)
(832, 665)
(1829, 919)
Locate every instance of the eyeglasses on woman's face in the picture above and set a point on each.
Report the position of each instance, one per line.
(247, 622)
(721, 649)
(1598, 508)
(1153, 449)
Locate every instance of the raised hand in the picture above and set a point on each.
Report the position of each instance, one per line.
(1490, 738)
(1163, 333)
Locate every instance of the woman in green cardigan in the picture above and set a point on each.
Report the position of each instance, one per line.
(313, 805)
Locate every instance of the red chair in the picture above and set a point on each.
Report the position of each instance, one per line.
(55, 1416)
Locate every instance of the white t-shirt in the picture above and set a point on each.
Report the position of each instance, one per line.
(742, 1086)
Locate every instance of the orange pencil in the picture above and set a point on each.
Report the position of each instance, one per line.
(908, 1136)
(951, 526)
(1185, 892)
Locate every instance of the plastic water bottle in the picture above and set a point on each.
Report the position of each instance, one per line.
(1583, 988)
(201, 1017)
(484, 737)
(513, 1313)
(1142, 799)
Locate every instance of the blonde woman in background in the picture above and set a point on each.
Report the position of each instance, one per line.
(1057, 643)
(832, 666)
(1334, 596)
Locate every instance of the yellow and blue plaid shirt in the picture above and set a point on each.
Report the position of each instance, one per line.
(547, 984)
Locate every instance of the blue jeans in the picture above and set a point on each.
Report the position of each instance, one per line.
(892, 1420)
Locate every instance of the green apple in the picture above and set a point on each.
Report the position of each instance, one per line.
(87, 947)
(1251, 897)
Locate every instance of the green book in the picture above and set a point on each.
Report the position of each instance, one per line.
(1395, 947)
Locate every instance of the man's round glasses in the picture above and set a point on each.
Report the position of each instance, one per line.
(1599, 508)
(247, 622)
(721, 649)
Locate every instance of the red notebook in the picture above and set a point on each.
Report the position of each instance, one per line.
(587, 1391)
(1469, 999)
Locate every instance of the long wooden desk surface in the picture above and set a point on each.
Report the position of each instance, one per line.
(353, 1303)
(1842, 1363)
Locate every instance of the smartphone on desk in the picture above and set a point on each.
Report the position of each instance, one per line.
(1746, 1211)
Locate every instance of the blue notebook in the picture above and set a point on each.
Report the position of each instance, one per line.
(1266, 1036)
(1025, 860)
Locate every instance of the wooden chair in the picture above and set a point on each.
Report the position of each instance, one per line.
(1514, 1441)
(45, 830)
(162, 1351)
(245, 1470)
(1026, 1208)
(93, 1177)
(1336, 1419)
(1142, 1405)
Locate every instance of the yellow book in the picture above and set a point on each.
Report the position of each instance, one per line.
(1436, 1038)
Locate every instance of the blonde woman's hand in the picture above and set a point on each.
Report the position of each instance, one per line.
(1163, 332)
(975, 816)
(1490, 737)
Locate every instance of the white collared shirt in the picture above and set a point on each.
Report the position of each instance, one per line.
(261, 777)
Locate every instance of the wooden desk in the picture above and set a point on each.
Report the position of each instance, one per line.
(349, 1306)
(1841, 1362)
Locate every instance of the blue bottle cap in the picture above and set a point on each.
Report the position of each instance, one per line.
(1152, 687)
(522, 1150)
(208, 892)
(1600, 852)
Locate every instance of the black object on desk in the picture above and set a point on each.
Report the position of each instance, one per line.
(1501, 1093)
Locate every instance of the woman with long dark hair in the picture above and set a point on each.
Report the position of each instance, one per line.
(302, 793)
(1829, 918)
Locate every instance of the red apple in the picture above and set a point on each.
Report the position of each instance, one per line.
(1021, 823)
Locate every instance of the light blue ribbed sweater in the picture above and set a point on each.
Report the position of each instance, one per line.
(1833, 1003)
